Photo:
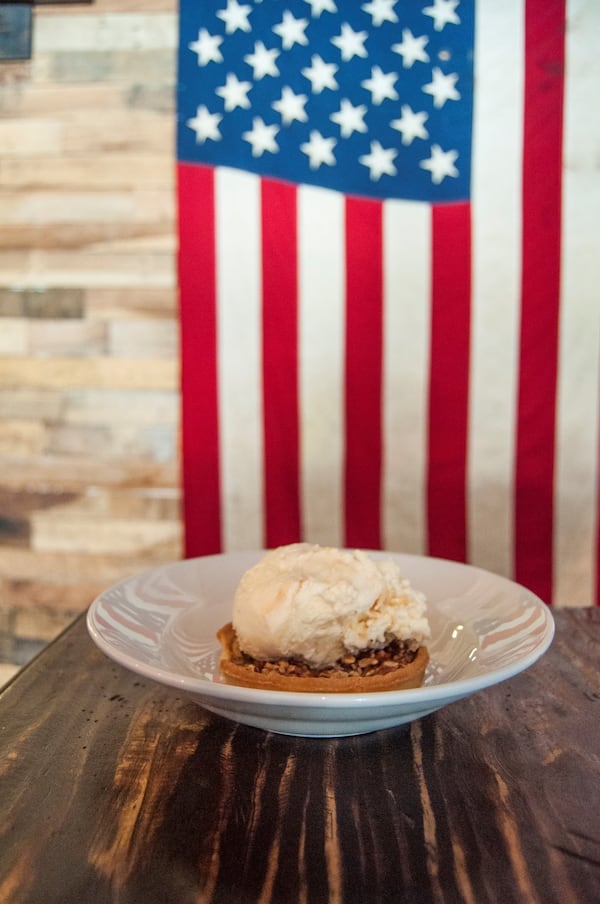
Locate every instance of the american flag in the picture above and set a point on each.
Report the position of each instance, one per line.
(388, 275)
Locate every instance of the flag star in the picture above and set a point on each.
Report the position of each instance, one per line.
(440, 164)
(350, 119)
(320, 74)
(234, 93)
(381, 11)
(443, 12)
(205, 124)
(321, 6)
(291, 30)
(410, 124)
(235, 16)
(261, 137)
(380, 161)
(442, 87)
(350, 43)
(207, 48)
(319, 150)
(411, 49)
(262, 61)
(381, 85)
(291, 106)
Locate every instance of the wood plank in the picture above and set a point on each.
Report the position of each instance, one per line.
(22, 437)
(56, 594)
(69, 531)
(34, 137)
(12, 74)
(67, 338)
(14, 336)
(24, 570)
(103, 442)
(76, 235)
(87, 173)
(32, 404)
(42, 622)
(7, 671)
(52, 101)
(72, 473)
(56, 99)
(117, 130)
(56, 268)
(105, 31)
(143, 338)
(98, 502)
(109, 6)
(80, 208)
(131, 69)
(41, 302)
(116, 407)
(118, 304)
(107, 373)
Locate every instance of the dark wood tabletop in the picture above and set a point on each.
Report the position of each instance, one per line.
(116, 789)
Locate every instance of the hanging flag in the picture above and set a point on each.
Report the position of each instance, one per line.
(389, 331)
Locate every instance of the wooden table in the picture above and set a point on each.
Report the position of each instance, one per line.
(115, 789)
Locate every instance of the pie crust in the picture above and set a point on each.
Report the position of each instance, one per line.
(402, 677)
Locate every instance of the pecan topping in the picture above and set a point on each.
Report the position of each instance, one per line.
(395, 655)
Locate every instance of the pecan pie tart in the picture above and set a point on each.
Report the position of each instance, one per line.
(320, 620)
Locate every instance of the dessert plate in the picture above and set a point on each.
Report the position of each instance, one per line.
(162, 624)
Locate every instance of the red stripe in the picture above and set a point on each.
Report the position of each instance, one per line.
(542, 165)
(198, 318)
(449, 381)
(280, 363)
(363, 389)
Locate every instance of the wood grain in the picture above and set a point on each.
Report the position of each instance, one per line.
(89, 394)
(117, 789)
(109, 6)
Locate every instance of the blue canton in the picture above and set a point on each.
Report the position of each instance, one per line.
(372, 99)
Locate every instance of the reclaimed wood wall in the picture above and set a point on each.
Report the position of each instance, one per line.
(89, 404)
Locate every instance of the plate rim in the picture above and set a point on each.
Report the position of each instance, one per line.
(443, 693)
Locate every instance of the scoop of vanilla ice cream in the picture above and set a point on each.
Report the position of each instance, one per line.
(318, 603)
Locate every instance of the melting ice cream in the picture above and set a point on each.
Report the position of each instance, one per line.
(317, 604)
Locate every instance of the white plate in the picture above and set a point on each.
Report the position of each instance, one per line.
(162, 624)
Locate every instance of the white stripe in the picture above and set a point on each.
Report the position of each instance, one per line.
(240, 355)
(407, 289)
(496, 210)
(579, 370)
(321, 326)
